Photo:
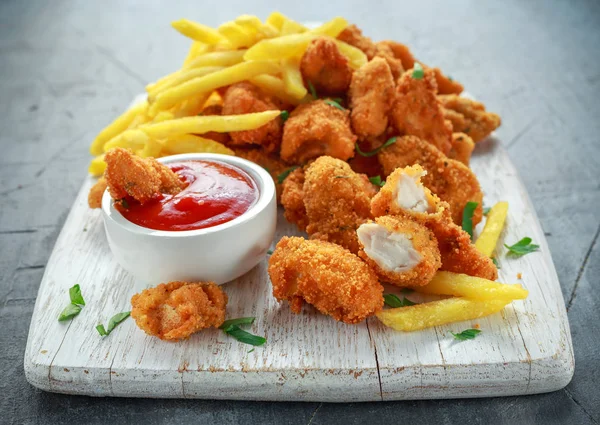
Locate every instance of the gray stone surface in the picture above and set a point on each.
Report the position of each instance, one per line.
(67, 68)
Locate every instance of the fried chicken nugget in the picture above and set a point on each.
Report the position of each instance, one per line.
(405, 195)
(462, 148)
(327, 276)
(140, 178)
(325, 67)
(451, 180)
(402, 252)
(353, 36)
(245, 98)
(384, 50)
(400, 51)
(175, 310)
(292, 199)
(468, 116)
(337, 201)
(371, 97)
(96, 193)
(314, 129)
(418, 112)
(447, 85)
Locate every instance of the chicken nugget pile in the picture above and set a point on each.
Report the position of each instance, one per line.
(369, 149)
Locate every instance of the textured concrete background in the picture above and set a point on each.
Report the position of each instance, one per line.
(67, 68)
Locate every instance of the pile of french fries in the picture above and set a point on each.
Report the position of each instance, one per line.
(471, 297)
(246, 49)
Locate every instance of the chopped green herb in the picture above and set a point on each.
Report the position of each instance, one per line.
(112, 323)
(270, 252)
(125, 203)
(333, 103)
(486, 210)
(250, 351)
(496, 263)
(69, 312)
(282, 176)
(377, 181)
(524, 246)
(392, 300)
(243, 336)
(467, 219)
(75, 294)
(312, 90)
(466, 334)
(418, 72)
(374, 152)
(338, 100)
(284, 115)
(237, 322)
(266, 168)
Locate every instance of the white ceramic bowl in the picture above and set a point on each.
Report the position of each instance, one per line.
(219, 254)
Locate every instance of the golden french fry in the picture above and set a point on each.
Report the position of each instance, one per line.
(116, 127)
(191, 107)
(488, 239)
(435, 313)
(188, 143)
(275, 87)
(196, 49)
(356, 56)
(292, 27)
(182, 77)
(223, 58)
(130, 139)
(276, 19)
(206, 123)
(198, 32)
(163, 116)
(254, 24)
(292, 77)
(97, 166)
(152, 149)
(332, 28)
(237, 36)
(210, 82)
(462, 285)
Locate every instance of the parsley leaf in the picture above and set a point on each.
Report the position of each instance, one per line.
(496, 263)
(312, 90)
(284, 116)
(75, 294)
(243, 336)
(486, 210)
(101, 330)
(377, 181)
(392, 300)
(112, 323)
(466, 334)
(237, 322)
(467, 219)
(283, 176)
(524, 246)
(374, 152)
(418, 72)
(69, 312)
(333, 103)
(270, 252)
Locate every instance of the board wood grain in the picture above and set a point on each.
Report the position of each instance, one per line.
(525, 349)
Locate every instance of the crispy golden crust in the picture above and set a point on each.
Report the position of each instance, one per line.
(424, 242)
(140, 178)
(292, 199)
(451, 180)
(418, 112)
(314, 129)
(337, 201)
(325, 275)
(325, 67)
(371, 96)
(353, 36)
(468, 116)
(462, 148)
(270, 162)
(175, 310)
(458, 254)
(385, 51)
(245, 98)
(96, 193)
(401, 52)
(447, 85)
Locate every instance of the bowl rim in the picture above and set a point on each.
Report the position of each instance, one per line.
(260, 176)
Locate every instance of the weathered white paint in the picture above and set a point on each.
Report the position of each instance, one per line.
(525, 349)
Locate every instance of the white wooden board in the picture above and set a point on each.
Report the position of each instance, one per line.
(525, 349)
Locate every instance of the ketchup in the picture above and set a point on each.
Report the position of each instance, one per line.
(215, 194)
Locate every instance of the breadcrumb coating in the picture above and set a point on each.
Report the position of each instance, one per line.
(325, 67)
(96, 193)
(469, 116)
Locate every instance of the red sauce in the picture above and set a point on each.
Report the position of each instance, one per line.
(215, 194)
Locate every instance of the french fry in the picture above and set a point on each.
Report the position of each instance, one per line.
(224, 58)
(188, 143)
(210, 82)
(236, 35)
(292, 27)
(198, 32)
(332, 28)
(152, 149)
(292, 77)
(130, 139)
(182, 77)
(252, 23)
(356, 56)
(462, 285)
(488, 239)
(435, 313)
(203, 124)
(163, 116)
(116, 127)
(191, 107)
(196, 49)
(276, 19)
(275, 87)
(97, 166)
